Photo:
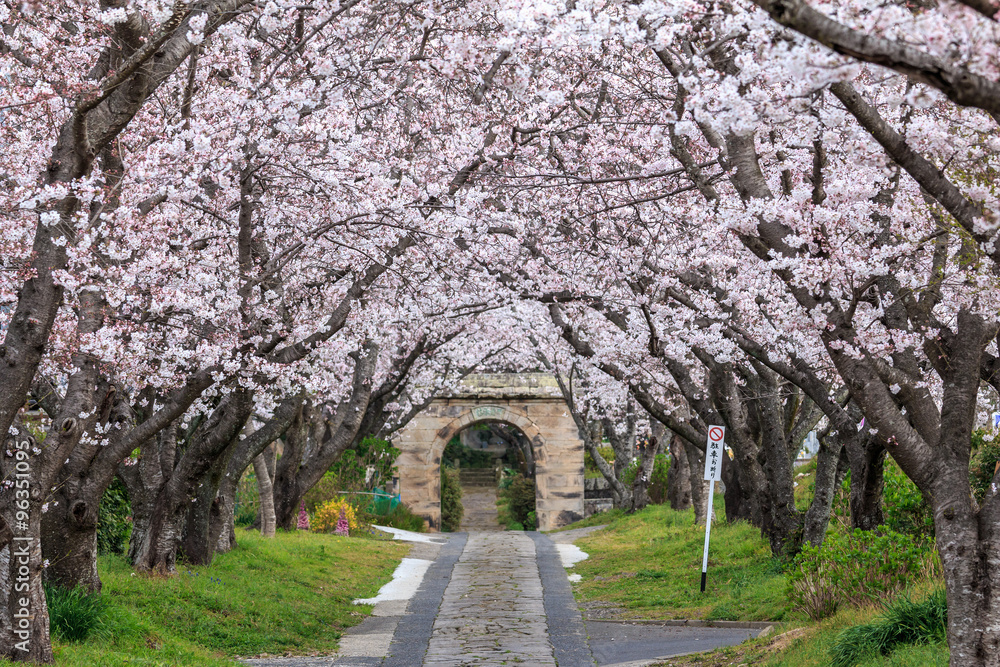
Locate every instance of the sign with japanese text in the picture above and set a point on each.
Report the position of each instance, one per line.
(714, 453)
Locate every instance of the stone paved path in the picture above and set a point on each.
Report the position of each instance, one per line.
(501, 598)
(480, 503)
(492, 612)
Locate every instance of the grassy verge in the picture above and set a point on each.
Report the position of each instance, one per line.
(649, 563)
(599, 519)
(810, 647)
(289, 595)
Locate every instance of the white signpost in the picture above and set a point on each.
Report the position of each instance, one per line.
(713, 473)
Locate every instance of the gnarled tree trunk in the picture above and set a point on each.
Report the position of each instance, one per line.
(817, 517)
(158, 541)
(304, 462)
(222, 529)
(867, 461)
(640, 486)
(679, 476)
(738, 504)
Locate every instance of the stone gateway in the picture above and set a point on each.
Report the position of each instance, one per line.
(530, 402)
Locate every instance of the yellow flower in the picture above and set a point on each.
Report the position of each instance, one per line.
(326, 516)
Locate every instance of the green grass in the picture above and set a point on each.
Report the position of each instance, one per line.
(650, 564)
(289, 595)
(813, 650)
(73, 612)
(904, 622)
(811, 646)
(805, 484)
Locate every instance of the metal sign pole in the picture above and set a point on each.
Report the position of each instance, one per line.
(708, 531)
(713, 473)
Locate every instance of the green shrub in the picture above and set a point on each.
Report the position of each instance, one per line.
(507, 476)
(607, 453)
(904, 507)
(856, 567)
(348, 472)
(247, 504)
(627, 475)
(401, 517)
(351, 468)
(114, 520)
(658, 482)
(451, 500)
(466, 457)
(517, 503)
(984, 462)
(73, 612)
(325, 490)
(903, 622)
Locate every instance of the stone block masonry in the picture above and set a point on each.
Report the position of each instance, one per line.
(530, 402)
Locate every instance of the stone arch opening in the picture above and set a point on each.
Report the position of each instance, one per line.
(482, 452)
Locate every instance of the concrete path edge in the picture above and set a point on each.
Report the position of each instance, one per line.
(567, 633)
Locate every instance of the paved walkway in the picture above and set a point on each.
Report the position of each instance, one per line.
(500, 598)
(492, 612)
(480, 509)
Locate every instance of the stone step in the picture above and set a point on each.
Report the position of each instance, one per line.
(477, 477)
(476, 472)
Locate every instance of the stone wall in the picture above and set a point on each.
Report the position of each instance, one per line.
(542, 417)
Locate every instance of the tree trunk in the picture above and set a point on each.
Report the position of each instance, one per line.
(223, 530)
(222, 527)
(622, 439)
(640, 486)
(207, 445)
(867, 483)
(266, 491)
(206, 511)
(155, 538)
(285, 482)
(296, 473)
(818, 515)
(969, 545)
(699, 487)
(621, 494)
(145, 481)
(784, 529)
(679, 476)
(24, 616)
(69, 540)
(222, 517)
(738, 505)
(210, 524)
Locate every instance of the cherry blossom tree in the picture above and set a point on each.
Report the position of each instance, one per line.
(775, 215)
(865, 197)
